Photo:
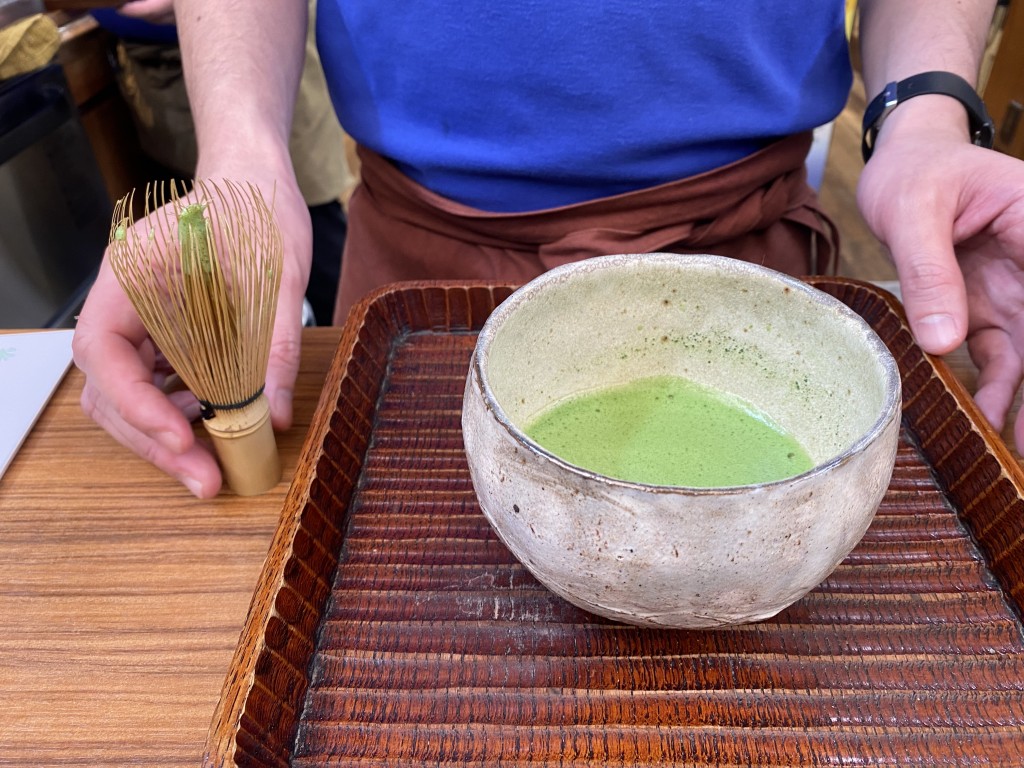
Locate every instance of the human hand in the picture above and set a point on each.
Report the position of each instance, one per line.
(153, 11)
(125, 372)
(952, 215)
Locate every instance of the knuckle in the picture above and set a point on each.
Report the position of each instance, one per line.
(151, 452)
(89, 402)
(286, 351)
(80, 346)
(927, 273)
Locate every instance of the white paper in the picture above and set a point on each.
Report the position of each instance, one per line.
(31, 366)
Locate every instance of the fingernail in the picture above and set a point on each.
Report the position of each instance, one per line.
(937, 332)
(193, 485)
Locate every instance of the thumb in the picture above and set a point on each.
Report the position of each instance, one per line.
(931, 283)
(283, 364)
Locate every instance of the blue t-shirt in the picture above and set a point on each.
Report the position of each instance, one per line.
(533, 104)
(136, 30)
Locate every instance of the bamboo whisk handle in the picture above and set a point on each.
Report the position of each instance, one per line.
(245, 445)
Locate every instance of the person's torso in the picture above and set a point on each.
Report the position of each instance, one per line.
(532, 104)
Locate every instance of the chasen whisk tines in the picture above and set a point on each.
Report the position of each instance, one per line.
(203, 271)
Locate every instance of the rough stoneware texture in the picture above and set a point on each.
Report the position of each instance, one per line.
(674, 556)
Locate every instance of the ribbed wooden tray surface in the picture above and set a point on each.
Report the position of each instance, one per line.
(392, 628)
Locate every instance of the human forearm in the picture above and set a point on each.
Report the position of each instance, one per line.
(901, 38)
(242, 65)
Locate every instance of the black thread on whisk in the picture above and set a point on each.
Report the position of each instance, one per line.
(208, 410)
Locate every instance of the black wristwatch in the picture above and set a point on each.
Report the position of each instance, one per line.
(982, 128)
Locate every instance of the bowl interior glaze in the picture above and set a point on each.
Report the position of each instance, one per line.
(792, 351)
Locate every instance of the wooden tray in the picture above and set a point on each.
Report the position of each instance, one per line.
(390, 627)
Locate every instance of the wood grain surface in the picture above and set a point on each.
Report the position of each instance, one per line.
(959, 363)
(392, 627)
(122, 597)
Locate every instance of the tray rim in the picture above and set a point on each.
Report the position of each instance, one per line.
(994, 441)
(221, 741)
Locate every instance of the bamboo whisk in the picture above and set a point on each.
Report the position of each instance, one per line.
(204, 273)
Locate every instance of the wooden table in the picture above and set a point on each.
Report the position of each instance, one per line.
(121, 596)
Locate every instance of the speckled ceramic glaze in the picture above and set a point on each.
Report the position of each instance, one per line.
(672, 556)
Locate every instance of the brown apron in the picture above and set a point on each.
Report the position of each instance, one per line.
(758, 209)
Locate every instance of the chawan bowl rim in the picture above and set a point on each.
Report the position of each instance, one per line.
(492, 326)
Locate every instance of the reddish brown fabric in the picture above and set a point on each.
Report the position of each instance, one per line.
(759, 209)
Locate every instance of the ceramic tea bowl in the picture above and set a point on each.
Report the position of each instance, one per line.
(673, 556)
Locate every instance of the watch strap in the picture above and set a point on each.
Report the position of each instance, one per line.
(945, 83)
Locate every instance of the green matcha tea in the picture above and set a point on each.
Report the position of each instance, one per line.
(666, 430)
